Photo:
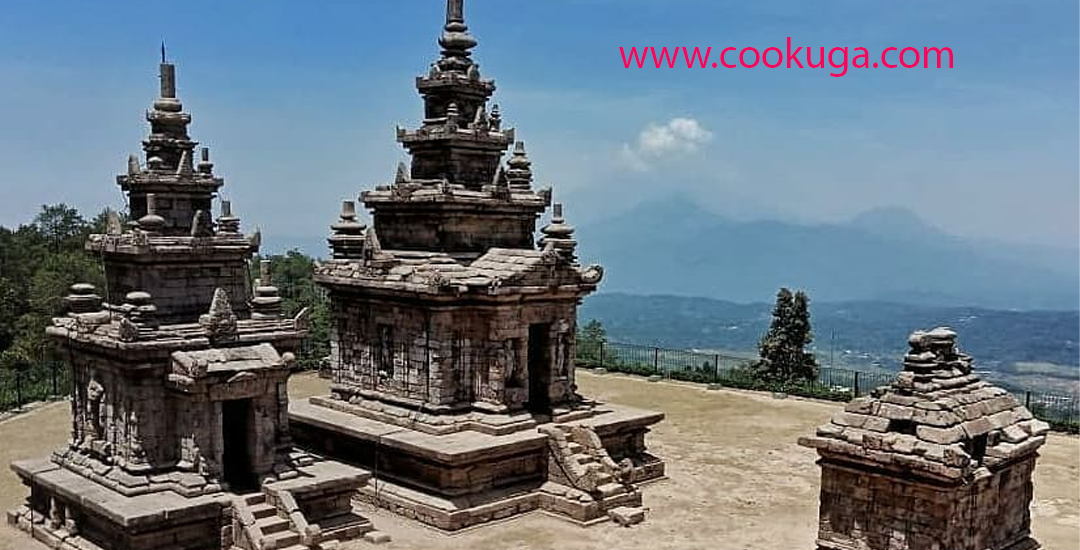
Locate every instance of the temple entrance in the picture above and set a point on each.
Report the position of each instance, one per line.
(236, 431)
(539, 362)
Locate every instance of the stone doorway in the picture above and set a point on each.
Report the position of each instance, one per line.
(236, 432)
(539, 362)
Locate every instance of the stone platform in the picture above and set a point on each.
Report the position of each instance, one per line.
(455, 471)
(68, 511)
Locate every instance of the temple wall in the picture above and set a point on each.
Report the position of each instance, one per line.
(455, 232)
(870, 510)
(452, 357)
(181, 291)
(117, 412)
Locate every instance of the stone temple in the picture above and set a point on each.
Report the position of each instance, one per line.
(939, 460)
(452, 347)
(179, 424)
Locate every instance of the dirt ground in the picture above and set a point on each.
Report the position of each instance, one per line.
(736, 478)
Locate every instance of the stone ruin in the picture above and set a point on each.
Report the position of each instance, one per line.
(453, 332)
(939, 460)
(180, 435)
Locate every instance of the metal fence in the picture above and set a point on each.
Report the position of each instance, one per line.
(44, 380)
(1061, 411)
(50, 378)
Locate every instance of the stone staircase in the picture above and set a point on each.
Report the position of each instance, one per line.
(581, 462)
(262, 528)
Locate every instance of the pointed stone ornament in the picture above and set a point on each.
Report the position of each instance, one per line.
(201, 226)
(347, 241)
(220, 321)
(184, 168)
(133, 167)
(402, 175)
(559, 235)
(255, 240)
(112, 223)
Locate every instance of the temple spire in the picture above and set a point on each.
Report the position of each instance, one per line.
(455, 40)
(455, 11)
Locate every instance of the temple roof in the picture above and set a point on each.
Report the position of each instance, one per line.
(499, 271)
(937, 418)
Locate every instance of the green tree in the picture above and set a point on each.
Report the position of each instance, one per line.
(784, 359)
(292, 274)
(590, 338)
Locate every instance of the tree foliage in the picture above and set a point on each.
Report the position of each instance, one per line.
(782, 349)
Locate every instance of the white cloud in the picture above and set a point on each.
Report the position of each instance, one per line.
(678, 136)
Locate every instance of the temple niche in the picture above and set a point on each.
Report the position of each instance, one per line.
(938, 460)
(453, 331)
(179, 414)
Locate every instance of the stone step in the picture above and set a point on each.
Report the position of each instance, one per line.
(584, 458)
(272, 524)
(261, 511)
(282, 539)
(254, 498)
(604, 478)
(611, 489)
(627, 515)
(575, 448)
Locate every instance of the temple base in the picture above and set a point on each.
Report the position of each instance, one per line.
(67, 511)
(458, 471)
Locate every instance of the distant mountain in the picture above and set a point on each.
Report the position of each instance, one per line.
(858, 333)
(675, 247)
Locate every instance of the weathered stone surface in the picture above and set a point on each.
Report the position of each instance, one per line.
(923, 465)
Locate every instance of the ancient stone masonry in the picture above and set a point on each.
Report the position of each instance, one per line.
(939, 460)
(180, 436)
(453, 331)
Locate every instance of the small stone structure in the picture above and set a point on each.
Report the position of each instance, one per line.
(453, 332)
(939, 460)
(180, 435)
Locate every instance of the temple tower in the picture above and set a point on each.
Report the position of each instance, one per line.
(451, 323)
(179, 434)
(184, 257)
(938, 460)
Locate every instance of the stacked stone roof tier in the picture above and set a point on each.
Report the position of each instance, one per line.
(938, 419)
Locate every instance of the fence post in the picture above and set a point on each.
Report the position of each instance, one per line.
(18, 389)
(855, 388)
(716, 367)
(602, 353)
(656, 360)
(55, 385)
(1027, 400)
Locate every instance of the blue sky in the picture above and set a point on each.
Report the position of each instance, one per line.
(298, 102)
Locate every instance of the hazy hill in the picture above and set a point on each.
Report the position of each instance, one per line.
(858, 333)
(675, 247)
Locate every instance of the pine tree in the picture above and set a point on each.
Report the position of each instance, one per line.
(783, 358)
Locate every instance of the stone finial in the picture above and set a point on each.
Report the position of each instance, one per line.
(151, 222)
(559, 235)
(347, 241)
(473, 73)
(228, 223)
(455, 40)
(255, 240)
(520, 173)
(201, 226)
(452, 115)
(139, 308)
(83, 298)
(220, 321)
(267, 303)
(167, 100)
(155, 163)
(495, 119)
(480, 121)
(402, 174)
(205, 166)
(133, 167)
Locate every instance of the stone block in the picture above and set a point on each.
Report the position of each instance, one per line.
(627, 516)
